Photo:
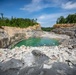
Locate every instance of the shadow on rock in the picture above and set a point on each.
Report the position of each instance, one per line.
(10, 67)
(16, 68)
(58, 68)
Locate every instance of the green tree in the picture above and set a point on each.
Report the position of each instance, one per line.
(60, 20)
(71, 18)
(17, 22)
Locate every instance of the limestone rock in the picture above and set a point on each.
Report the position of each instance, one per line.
(11, 35)
(12, 64)
(37, 53)
(40, 58)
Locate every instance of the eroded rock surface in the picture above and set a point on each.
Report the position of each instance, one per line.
(71, 31)
(11, 35)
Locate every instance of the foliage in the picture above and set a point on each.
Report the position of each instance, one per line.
(17, 22)
(47, 28)
(71, 18)
(60, 20)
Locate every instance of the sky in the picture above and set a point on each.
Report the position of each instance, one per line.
(46, 11)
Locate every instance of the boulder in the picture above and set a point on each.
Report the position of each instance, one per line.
(37, 53)
(40, 58)
(11, 64)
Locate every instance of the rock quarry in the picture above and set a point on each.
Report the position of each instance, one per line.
(43, 60)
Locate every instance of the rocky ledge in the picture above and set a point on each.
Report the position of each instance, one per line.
(69, 30)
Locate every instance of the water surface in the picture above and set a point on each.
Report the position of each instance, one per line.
(35, 42)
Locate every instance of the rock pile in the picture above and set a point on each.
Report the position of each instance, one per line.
(58, 60)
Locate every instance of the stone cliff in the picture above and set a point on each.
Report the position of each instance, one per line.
(9, 35)
(68, 29)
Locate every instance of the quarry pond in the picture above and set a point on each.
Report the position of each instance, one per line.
(48, 54)
(36, 42)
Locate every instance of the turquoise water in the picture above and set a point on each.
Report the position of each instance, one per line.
(35, 42)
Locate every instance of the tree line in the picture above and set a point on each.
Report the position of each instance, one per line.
(47, 28)
(71, 18)
(17, 22)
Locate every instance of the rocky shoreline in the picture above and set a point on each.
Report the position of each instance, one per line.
(45, 60)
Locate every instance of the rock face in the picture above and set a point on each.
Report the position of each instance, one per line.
(9, 35)
(3, 38)
(70, 31)
(64, 25)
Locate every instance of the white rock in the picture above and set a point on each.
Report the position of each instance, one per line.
(45, 66)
